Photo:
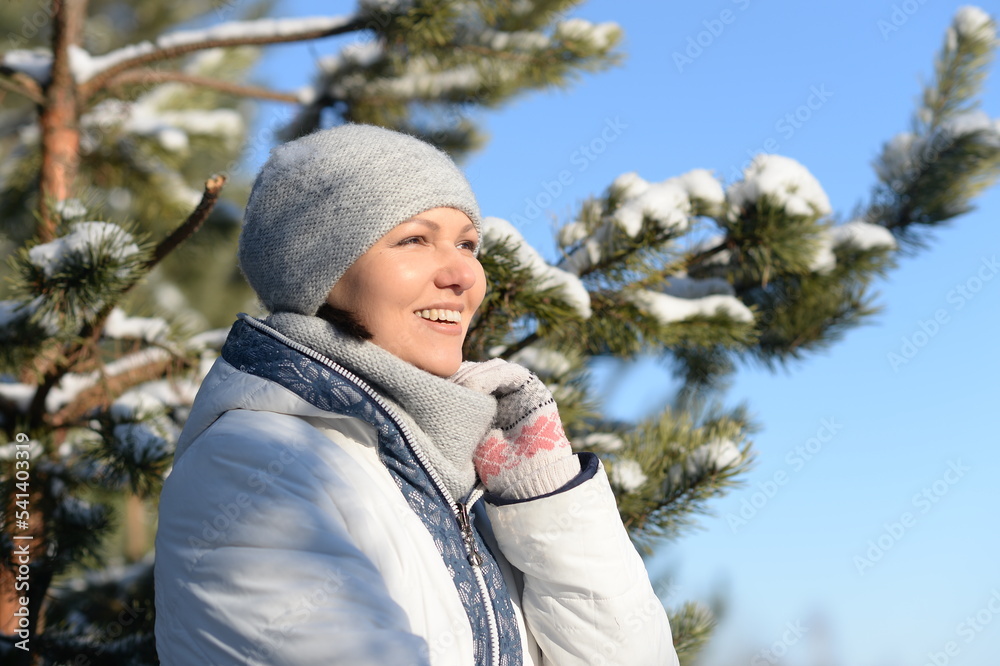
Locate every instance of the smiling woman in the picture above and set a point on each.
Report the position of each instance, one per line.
(416, 289)
(346, 490)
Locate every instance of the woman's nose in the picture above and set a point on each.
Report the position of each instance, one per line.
(456, 271)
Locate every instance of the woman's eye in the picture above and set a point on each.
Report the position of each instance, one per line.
(411, 240)
(468, 245)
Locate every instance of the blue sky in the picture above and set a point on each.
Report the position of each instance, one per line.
(928, 424)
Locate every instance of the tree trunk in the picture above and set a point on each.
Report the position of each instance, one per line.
(59, 116)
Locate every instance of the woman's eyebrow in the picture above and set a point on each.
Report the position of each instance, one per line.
(437, 227)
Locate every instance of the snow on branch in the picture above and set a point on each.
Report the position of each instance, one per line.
(542, 361)
(858, 234)
(35, 64)
(682, 286)
(785, 182)
(119, 326)
(600, 36)
(497, 231)
(84, 239)
(671, 203)
(627, 475)
(906, 156)
(170, 128)
(668, 309)
(973, 23)
(715, 456)
(97, 70)
(606, 442)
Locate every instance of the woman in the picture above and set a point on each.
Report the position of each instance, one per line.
(323, 507)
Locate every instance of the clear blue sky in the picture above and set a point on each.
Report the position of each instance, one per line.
(899, 429)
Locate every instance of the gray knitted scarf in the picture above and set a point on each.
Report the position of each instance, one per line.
(447, 420)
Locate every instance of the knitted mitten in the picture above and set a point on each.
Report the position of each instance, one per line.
(526, 453)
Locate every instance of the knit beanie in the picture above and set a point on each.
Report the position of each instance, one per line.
(322, 201)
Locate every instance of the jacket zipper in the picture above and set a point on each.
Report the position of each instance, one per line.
(458, 509)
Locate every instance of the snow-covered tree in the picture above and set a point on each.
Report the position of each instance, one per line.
(131, 135)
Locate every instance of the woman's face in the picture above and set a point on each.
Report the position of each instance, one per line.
(417, 288)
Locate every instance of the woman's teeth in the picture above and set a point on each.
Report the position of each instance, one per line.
(441, 315)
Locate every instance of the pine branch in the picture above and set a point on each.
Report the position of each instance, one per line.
(691, 627)
(155, 54)
(109, 388)
(149, 76)
(194, 221)
(22, 84)
(959, 74)
(83, 346)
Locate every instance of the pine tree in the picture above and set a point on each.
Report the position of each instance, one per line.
(95, 397)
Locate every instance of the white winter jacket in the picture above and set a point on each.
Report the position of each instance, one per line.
(284, 540)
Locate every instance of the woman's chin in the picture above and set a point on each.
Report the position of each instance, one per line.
(442, 365)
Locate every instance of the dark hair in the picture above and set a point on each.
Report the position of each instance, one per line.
(346, 322)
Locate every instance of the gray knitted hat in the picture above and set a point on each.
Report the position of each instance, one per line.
(323, 200)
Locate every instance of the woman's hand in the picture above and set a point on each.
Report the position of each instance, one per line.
(526, 454)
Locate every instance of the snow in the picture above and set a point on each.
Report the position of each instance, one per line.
(140, 442)
(171, 393)
(704, 188)
(86, 66)
(600, 441)
(543, 361)
(714, 456)
(905, 154)
(169, 127)
(600, 36)
(824, 260)
(572, 233)
(137, 360)
(15, 312)
(630, 184)
(519, 40)
(18, 394)
(627, 474)
(720, 257)
(68, 388)
(970, 122)
(83, 237)
(72, 384)
(213, 339)
(718, 454)
(134, 405)
(900, 158)
(497, 230)
(423, 82)
(35, 64)
(357, 54)
(670, 203)
(863, 236)
(784, 181)
(9, 450)
(71, 209)
(856, 233)
(682, 286)
(665, 202)
(120, 326)
(584, 257)
(973, 22)
(668, 309)
(78, 511)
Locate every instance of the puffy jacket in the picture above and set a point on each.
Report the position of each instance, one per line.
(283, 538)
